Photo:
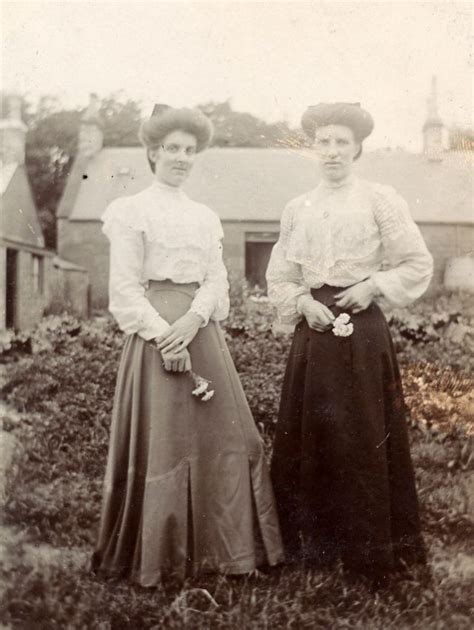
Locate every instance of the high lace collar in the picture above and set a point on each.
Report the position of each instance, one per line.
(161, 187)
(344, 183)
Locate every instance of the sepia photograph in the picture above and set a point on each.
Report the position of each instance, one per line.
(236, 315)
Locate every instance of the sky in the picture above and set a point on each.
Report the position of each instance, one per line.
(270, 58)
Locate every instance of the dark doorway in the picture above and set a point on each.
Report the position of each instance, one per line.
(257, 255)
(11, 288)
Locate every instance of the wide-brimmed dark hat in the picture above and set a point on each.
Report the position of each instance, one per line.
(349, 114)
(165, 119)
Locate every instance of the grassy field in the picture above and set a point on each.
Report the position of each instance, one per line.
(63, 390)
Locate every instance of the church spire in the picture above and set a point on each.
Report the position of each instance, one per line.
(433, 127)
(91, 136)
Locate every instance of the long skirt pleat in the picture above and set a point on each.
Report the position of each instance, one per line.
(341, 468)
(186, 486)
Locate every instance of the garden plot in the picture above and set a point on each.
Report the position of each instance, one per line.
(61, 380)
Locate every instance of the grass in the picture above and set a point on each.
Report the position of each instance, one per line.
(64, 596)
(65, 391)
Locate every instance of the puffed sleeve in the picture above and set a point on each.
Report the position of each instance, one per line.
(127, 301)
(286, 290)
(211, 300)
(411, 264)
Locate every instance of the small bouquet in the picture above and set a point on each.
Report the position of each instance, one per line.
(201, 387)
(342, 325)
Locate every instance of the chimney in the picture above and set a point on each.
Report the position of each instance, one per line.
(91, 136)
(433, 127)
(12, 132)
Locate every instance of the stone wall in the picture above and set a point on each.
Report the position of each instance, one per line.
(41, 288)
(83, 243)
(444, 242)
(31, 300)
(69, 290)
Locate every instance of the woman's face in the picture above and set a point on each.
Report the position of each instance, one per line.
(174, 158)
(336, 148)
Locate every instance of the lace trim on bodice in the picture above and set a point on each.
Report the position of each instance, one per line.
(172, 221)
(336, 229)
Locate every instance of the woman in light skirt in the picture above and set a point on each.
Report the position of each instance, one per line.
(341, 468)
(186, 487)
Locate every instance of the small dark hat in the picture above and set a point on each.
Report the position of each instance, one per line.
(349, 114)
(165, 119)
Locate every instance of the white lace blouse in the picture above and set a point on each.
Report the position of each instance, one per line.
(161, 234)
(342, 234)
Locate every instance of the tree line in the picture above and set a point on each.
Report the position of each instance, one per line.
(51, 141)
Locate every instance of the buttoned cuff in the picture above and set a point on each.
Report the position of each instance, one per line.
(155, 328)
(203, 313)
(303, 301)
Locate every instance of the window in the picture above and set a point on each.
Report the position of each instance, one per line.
(38, 274)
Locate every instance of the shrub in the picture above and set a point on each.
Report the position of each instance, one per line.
(63, 378)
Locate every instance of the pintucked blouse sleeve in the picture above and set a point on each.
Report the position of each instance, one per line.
(411, 264)
(127, 301)
(211, 300)
(286, 290)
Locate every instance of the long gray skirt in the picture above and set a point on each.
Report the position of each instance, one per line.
(186, 486)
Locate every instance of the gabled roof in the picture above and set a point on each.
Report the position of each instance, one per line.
(254, 184)
(6, 173)
(18, 217)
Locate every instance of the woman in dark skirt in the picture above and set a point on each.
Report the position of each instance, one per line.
(186, 487)
(341, 469)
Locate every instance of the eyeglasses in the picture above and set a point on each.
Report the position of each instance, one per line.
(176, 148)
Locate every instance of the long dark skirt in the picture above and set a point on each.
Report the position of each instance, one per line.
(341, 469)
(186, 487)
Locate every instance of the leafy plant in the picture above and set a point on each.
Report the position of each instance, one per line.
(62, 376)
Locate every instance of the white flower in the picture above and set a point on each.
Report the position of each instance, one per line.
(347, 330)
(343, 318)
(200, 389)
(208, 395)
(201, 384)
(342, 326)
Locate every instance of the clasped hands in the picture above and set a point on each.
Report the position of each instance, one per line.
(356, 299)
(174, 342)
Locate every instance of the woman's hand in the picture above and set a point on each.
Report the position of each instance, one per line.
(180, 334)
(358, 297)
(318, 316)
(176, 361)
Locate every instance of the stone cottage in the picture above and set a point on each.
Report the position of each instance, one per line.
(32, 278)
(248, 188)
(24, 261)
